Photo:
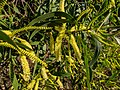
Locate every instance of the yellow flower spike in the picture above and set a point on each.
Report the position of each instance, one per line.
(51, 43)
(31, 85)
(62, 5)
(70, 60)
(32, 56)
(59, 83)
(72, 65)
(24, 42)
(70, 70)
(82, 27)
(72, 29)
(7, 45)
(44, 73)
(57, 79)
(76, 49)
(36, 85)
(26, 68)
(52, 83)
(27, 28)
(61, 30)
(58, 45)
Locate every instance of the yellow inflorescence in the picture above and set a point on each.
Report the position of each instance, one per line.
(31, 85)
(32, 56)
(75, 48)
(29, 28)
(51, 43)
(25, 67)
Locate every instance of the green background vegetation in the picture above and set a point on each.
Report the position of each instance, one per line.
(59, 45)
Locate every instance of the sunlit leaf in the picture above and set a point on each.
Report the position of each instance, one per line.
(6, 38)
(15, 82)
(117, 39)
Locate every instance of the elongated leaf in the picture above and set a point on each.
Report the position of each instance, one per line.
(41, 18)
(35, 43)
(118, 40)
(87, 65)
(100, 14)
(56, 22)
(23, 46)
(102, 39)
(15, 83)
(16, 10)
(90, 71)
(113, 76)
(96, 54)
(33, 34)
(82, 13)
(105, 20)
(6, 38)
(3, 23)
(50, 15)
(11, 71)
(24, 43)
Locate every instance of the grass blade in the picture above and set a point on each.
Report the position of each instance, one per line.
(97, 52)
(15, 82)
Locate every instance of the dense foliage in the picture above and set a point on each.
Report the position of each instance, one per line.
(59, 44)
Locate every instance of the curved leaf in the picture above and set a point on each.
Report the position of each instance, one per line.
(97, 52)
(50, 15)
(6, 38)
